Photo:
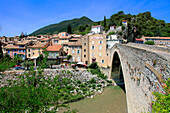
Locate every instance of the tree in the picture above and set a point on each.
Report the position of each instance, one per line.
(1, 52)
(51, 63)
(149, 42)
(69, 57)
(120, 13)
(104, 21)
(27, 64)
(69, 30)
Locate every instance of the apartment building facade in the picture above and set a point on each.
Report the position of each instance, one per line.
(94, 50)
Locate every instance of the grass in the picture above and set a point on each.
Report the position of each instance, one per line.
(112, 100)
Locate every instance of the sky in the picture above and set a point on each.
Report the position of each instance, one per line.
(26, 16)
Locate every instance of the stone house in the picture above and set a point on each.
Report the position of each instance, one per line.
(97, 29)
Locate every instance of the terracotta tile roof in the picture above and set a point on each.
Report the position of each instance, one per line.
(96, 26)
(23, 42)
(45, 39)
(31, 37)
(137, 39)
(78, 43)
(54, 48)
(156, 37)
(124, 20)
(39, 45)
(11, 46)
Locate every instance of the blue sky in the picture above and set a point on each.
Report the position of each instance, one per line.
(29, 15)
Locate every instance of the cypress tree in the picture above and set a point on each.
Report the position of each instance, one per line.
(105, 22)
(69, 29)
(1, 53)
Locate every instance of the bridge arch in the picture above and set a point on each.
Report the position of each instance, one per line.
(116, 70)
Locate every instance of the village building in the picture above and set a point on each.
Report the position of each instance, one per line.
(74, 49)
(97, 29)
(34, 51)
(94, 50)
(164, 41)
(17, 49)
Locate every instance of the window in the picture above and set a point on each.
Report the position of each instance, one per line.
(92, 54)
(56, 41)
(102, 61)
(73, 58)
(28, 55)
(84, 44)
(92, 47)
(62, 34)
(84, 50)
(100, 42)
(100, 47)
(78, 58)
(33, 53)
(28, 50)
(78, 51)
(100, 54)
(73, 51)
(92, 42)
(84, 56)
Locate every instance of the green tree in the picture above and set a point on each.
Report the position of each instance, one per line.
(69, 57)
(150, 43)
(69, 29)
(104, 21)
(1, 52)
(51, 63)
(27, 64)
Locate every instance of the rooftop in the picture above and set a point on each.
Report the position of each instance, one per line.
(96, 26)
(157, 37)
(54, 48)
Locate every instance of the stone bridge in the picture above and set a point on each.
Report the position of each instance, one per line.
(142, 68)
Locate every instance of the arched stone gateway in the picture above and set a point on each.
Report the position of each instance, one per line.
(142, 72)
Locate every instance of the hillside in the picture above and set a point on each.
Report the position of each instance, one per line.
(138, 25)
(62, 26)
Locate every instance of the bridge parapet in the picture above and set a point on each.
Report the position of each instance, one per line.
(143, 73)
(150, 47)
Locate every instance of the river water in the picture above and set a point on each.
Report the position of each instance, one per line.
(112, 100)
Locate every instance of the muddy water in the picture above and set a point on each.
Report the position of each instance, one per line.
(112, 100)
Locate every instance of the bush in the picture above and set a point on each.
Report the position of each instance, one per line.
(150, 43)
(94, 65)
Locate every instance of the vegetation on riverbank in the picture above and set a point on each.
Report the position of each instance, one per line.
(162, 103)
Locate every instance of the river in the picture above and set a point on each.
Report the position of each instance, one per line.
(112, 100)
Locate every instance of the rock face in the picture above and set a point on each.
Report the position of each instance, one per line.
(144, 69)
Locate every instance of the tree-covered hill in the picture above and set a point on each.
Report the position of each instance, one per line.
(62, 26)
(141, 24)
(138, 25)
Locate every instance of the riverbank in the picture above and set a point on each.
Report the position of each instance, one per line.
(112, 100)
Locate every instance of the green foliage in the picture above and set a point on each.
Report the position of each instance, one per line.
(162, 103)
(62, 26)
(27, 64)
(104, 22)
(51, 63)
(94, 65)
(150, 43)
(69, 30)
(112, 33)
(94, 69)
(1, 52)
(69, 57)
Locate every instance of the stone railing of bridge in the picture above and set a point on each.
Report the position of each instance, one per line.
(150, 47)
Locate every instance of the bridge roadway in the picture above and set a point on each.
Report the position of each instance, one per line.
(164, 54)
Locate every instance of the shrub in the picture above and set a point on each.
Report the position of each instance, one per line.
(150, 43)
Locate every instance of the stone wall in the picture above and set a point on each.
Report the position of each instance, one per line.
(143, 73)
(151, 47)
